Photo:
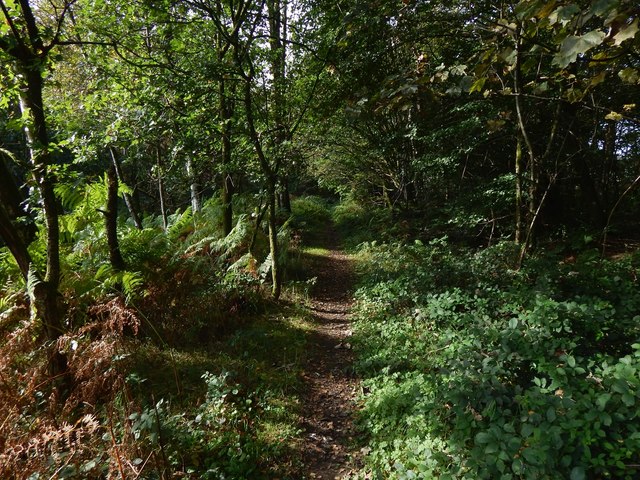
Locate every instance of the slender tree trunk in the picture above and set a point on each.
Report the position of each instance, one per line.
(13, 200)
(24, 44)
(259, 216)
(269, 169)
(14, 241)
(285, 195)
(228, 191)
(276, 285)
(609, 180)
(128, 201)
(225, 107)
(161, 193)
(111, 220)
(270, 178)
(194, 188)
(519, 199)
(44, 294)
(227, 182)
(534, 179)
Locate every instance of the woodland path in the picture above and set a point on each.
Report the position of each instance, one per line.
(330, 386)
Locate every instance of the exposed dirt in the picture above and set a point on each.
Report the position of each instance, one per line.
(330, 385)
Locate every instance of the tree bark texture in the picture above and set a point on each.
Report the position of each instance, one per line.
(111, 220)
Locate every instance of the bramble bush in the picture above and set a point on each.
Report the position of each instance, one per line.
(476, 370)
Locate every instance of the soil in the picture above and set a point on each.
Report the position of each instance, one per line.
(330, 386)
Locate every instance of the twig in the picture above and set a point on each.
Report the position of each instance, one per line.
(114, 444)
(606, 228)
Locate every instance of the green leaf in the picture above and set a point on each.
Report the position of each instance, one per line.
(527, 430)
(615, 116)
(573, 45)
(482, 438)
(478, 85)
(551, 415)
(564, 15)
(629, 75)
(620, 386)
(628, 399)
(546, 9)
(578, 473)
(627, 33)
(491, 448)
(602, 400)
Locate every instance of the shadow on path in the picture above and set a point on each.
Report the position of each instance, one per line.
(330, 386)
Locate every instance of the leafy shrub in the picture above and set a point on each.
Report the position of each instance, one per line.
(358, 224)
(310, 217)
(475, 370)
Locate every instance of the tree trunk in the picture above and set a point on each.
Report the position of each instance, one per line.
(285, 196)
(226, 112)
(270, 178)
(28, 59)
(611, 188)
(128, 201)
(519, 200)
(227, 204)
(226, 108)
(13, 200)
(276, 285)
(14, 241)
(534, 179)
(111, 220)
(161, 193)
(44, 296)
(193, 187)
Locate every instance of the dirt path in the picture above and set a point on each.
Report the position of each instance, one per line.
(330, 386)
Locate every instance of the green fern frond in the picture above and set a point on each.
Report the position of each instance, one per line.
(69, 195)
(242, 263)
(9, 155)
(123, 189)
(200, 245)
(180, 224)
(104, 271)
(265, 268)
(132, 283)
(4, 304)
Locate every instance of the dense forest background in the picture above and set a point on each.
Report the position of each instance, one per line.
(164, 165)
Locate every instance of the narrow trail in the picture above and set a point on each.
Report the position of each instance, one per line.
(330, 385)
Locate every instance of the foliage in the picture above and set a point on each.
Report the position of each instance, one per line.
(476, 370)
(103, 423)
(310, 218)
(357, 223)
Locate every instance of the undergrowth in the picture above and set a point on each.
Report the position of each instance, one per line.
(179, 366)
(476, 370)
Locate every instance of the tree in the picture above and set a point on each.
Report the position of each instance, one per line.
(26, 45)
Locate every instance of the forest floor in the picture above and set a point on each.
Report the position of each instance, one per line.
(330, 385)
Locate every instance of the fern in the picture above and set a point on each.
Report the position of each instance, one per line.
(180, 224)
(244, 263)
(265, 268)
(128, 283)
(227, 247)
(69, 195)
(4, 304)
(132, 283)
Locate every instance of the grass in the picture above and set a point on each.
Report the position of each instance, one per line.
(263, 360)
